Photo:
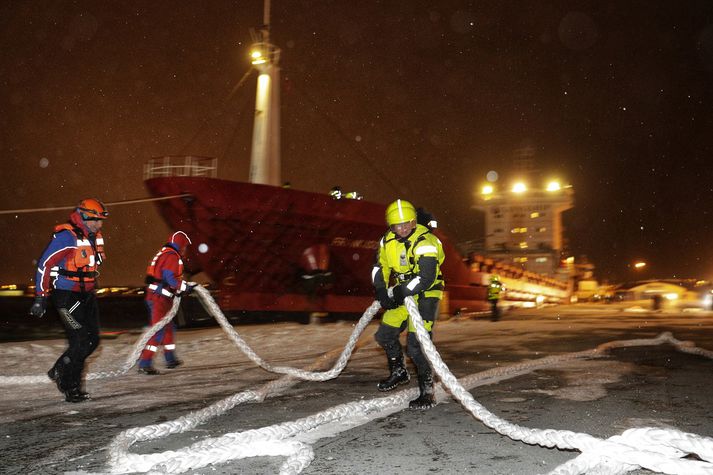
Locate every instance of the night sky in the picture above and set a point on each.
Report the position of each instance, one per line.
(409, 99)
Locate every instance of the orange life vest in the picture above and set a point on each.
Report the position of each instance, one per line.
(82, 265)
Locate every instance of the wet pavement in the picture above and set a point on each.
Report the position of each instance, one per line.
(633, 387)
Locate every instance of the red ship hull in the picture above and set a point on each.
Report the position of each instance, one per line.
(278, 249)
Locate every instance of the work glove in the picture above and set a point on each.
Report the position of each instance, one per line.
(39, 306)
(189, 289)
(387, 303)
(398, 294)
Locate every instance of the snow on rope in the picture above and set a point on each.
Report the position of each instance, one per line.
(652, 448)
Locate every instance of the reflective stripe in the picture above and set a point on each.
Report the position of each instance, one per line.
(184, 286)
(374, 270)
(412, 285)
(172, 346)
(54, 271)
(76, 304)
(165, 292)
(152, 348)
(425, 250)
(100, 241)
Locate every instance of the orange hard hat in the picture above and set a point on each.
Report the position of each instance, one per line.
(92, 209)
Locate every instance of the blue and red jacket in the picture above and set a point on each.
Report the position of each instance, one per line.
(71, 259)
(164, 274)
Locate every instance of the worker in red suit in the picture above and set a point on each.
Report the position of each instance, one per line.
(164, 279)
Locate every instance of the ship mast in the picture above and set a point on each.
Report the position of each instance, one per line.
(265, 161)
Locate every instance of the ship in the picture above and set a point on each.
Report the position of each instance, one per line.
(270, 248)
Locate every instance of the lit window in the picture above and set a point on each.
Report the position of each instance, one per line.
(534, 214)
(541, 259)
(523, 245)
(541, 230)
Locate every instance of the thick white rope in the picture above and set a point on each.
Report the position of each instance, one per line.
(651, 448)
(212, 307)
(644, 451)
(130, 361)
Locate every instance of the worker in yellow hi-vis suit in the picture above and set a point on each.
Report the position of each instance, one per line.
(410, 256)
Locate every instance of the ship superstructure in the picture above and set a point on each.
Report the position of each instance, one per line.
(523, 222)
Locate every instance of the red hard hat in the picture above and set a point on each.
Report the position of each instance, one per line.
(180, 238)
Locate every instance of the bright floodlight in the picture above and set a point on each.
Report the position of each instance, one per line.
(640, 265)
(519, 188)
(257, 57)
(553, 186)
(488, 190)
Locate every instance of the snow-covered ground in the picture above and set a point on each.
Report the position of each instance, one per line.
(639, 386)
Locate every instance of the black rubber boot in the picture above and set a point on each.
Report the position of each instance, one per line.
(399, 374)
(174, 364)
(426, 399)
(76, 395)
(55, 375)
(150, 370)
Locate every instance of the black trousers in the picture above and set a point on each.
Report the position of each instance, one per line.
(79, 314)
(388, 337)
(494, 310)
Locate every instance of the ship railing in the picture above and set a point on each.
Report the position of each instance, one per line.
(181, 166)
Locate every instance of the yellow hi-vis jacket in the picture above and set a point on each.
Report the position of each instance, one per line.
(400, 260)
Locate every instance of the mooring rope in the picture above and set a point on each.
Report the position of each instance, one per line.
(213, 309)
(129, 362)
(656, 449)
(652, 448)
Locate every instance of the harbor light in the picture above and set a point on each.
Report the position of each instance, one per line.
(553, 186)
(257, 57)
(519, 187)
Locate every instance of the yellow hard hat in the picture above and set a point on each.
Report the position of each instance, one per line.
(400, 211)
